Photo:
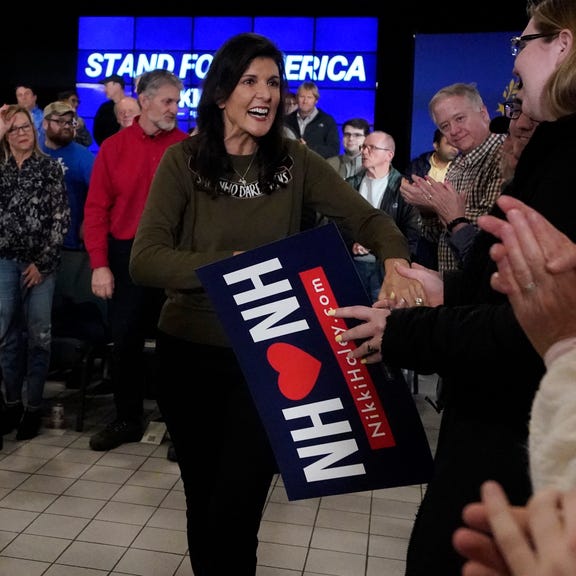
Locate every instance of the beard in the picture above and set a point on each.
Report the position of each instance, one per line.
(61, 138)
(166, 125)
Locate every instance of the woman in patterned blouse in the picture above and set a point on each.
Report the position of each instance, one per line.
(34, 216)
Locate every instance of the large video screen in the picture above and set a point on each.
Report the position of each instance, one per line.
(338, 54)
(443, 59)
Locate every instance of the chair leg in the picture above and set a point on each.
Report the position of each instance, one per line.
(87, 370)
(415, 383)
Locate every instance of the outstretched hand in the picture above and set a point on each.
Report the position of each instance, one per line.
(431, 281)
(397, 287)
(369, 333)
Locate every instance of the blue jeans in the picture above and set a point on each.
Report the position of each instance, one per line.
(371, 273)
(25, 333)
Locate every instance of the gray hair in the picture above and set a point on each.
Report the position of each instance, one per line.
(150, 82)
(459, 89)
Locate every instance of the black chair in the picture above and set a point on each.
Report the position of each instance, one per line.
(79, 339)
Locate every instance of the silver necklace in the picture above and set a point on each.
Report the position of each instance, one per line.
(242, 177)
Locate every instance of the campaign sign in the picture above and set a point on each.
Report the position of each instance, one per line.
(335, 425)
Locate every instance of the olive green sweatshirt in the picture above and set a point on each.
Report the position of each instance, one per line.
(183, 228)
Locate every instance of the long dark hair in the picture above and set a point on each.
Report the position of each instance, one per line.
(209, 157)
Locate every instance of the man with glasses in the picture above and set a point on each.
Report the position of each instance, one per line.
(379, 183)
(71, 97)
(354, 131)
(518, 128)
(59, 126)
(74, 274)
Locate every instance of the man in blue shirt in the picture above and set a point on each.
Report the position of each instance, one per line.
(73, 283)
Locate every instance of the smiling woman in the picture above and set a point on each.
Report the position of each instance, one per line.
(237, 184)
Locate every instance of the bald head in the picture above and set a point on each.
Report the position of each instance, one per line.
(126, 109)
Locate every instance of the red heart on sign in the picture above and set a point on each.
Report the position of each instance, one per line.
(297, 370)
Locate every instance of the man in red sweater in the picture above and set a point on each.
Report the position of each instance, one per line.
(121, 177)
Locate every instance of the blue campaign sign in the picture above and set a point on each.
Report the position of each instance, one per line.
(336, 425)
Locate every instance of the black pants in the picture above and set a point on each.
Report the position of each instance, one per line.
(133, 315)
(466, 456)
(223, 452)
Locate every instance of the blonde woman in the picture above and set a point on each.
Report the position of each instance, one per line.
(34, 216)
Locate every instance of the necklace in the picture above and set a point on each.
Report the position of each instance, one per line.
(242, 177)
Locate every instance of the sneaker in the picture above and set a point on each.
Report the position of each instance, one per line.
(115, 434)
(11, 416)
(29, 425)
(171, 455)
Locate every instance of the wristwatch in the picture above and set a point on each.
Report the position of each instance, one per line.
(460, 220)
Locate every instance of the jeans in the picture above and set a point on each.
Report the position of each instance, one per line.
(371, 273)
(25, 333)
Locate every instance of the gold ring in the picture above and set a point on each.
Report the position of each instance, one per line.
(530, 287)
(418, 301)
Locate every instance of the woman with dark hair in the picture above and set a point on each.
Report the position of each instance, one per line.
(235, 185)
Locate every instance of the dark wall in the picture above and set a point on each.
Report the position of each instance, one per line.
(44, 51)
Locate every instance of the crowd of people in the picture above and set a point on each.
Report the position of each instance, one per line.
(468, 257)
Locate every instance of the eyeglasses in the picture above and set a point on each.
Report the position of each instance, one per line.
(25, 128)
(371, 148)
(62, 123)
(512, 109)
(518, 43)
(352, 135)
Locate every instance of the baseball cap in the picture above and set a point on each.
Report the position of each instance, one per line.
(499, 125)
(114, 78)
(58, 109)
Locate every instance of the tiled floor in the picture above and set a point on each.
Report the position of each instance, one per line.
(68, 511)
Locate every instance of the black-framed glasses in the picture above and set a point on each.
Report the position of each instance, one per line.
(352, 135)
(518, 43)
(371, 148)
(512, 109)
(24, 128)
(73, 123)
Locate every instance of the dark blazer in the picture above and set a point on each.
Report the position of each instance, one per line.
(490, 370)
(105, 123)
(421, 164)
(404, 214)
(321, 134)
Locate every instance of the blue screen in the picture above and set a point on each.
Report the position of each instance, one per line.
(443, 59)
(338, 54)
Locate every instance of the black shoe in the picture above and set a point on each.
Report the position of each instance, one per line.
(11, 417)
(115, 434)
(29, 425)
(171, 455)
